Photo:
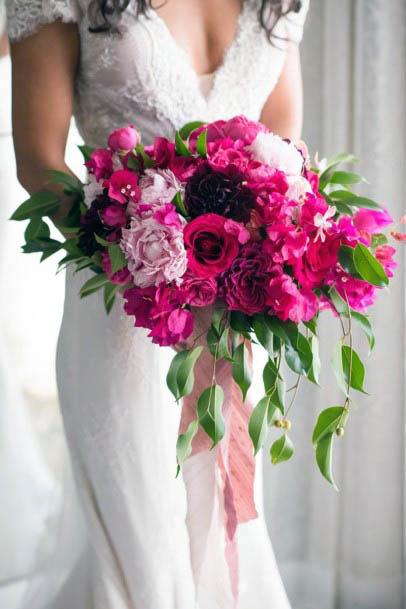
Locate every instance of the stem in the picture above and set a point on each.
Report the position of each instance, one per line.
(295, 388)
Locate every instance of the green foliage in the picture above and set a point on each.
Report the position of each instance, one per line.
(109, 296)
(188, 129)
(282, 449)
(241, 370)
(180, 378)
(93, 284)
(201, 144)
(184, 443)
(117, 259)
(324, 458)
(180, 146)
(42, 203)
(328, 421)
(209, 412)
(369, 268)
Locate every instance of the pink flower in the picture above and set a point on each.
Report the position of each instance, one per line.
(155, 252)
(238, 230)
(278, 153)
(287, 302)
(313, 179)
(225, 153)
(167, 215)
(124, 140)
(162, 151)
(157, 310)
(121, 277)
(288, 243)
(100, 163)
(312, 209)
(114, 215)
(210, 248)
(123, 186)
(244, 285)
(238, 128)
(312, 268)
(372, 221)
(159, 185)
(385, 253)
(359, 293)
(197, 291)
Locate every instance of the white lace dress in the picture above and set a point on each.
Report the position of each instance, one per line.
(153, 541)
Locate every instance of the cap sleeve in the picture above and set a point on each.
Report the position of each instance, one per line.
(24, 17)
(294, 23)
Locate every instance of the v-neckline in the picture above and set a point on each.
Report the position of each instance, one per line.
(186, 59)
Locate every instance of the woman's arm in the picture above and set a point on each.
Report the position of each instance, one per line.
(44, 68)
(283, 110)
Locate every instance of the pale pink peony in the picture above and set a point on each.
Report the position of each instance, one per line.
(278, 153)
(155, 252)
(159, 186)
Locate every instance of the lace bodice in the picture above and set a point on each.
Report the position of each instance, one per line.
(144, 77)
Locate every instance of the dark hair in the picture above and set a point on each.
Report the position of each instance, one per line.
(105, 14)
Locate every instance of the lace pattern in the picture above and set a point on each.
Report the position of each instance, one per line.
(25, 17)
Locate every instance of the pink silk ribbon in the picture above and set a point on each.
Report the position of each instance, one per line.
(235, 458)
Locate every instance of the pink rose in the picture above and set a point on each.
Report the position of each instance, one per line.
(114, 215)
(100, 163)
(372, 221)
(221, 156)
(197, 291)
(162, 151)
(385, 253)
(123, 186)
(244, 285)
(121, 277)
(210, 248)
(155, 252)
(124, 140)
(312, 268)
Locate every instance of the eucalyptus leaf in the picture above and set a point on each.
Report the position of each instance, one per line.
(209, 407)
(282, 449)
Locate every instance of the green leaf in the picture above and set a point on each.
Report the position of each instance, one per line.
(188, 129)
(312, 325)
(270, 375)
(352, 199)
(180, 205)
(324, 458)
(209, 412)
(218, 343)
(171, 377)
(339, 303)
(180, 146)
(93, 284)
(337, 363)
(36, 229)
(366, 326)
(109, 296)
(217, 318)
(242, 373)
(282, 449)
(346, 258)
(86, 151)
(353, 368)
(370, 269)
(285, 330)
(184, 443)
(299, 358)
(328, 421)
(147, 160)
(263, 333)
(346, 177)
(185, 377)
(258, 423)
(102, 241)
(83, 264)
(117, 258)
(378, 239)
(314, 372)
(71, 183)
(240, 323)
(201, 144)
(42, 203)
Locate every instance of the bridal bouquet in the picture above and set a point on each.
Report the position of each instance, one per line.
(231, 218)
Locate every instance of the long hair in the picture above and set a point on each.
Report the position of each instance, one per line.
(105, 15)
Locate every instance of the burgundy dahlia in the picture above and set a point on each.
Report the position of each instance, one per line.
(222, 193)
(91, 223)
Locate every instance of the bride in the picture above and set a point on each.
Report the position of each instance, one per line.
(153, 541)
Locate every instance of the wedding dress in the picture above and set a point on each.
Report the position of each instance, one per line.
(153, 541)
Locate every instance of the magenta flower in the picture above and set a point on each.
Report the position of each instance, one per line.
(372, 221)
(114, 215)
(238, 128)
(123, 186)
(197, 291)
(121, 277)
(100, 163)
(360, 294)
(125, 139)
(385, 253)
(287, 302)
(167, 215)
(319, 258)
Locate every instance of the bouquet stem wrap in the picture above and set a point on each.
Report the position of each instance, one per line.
(234, 459)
